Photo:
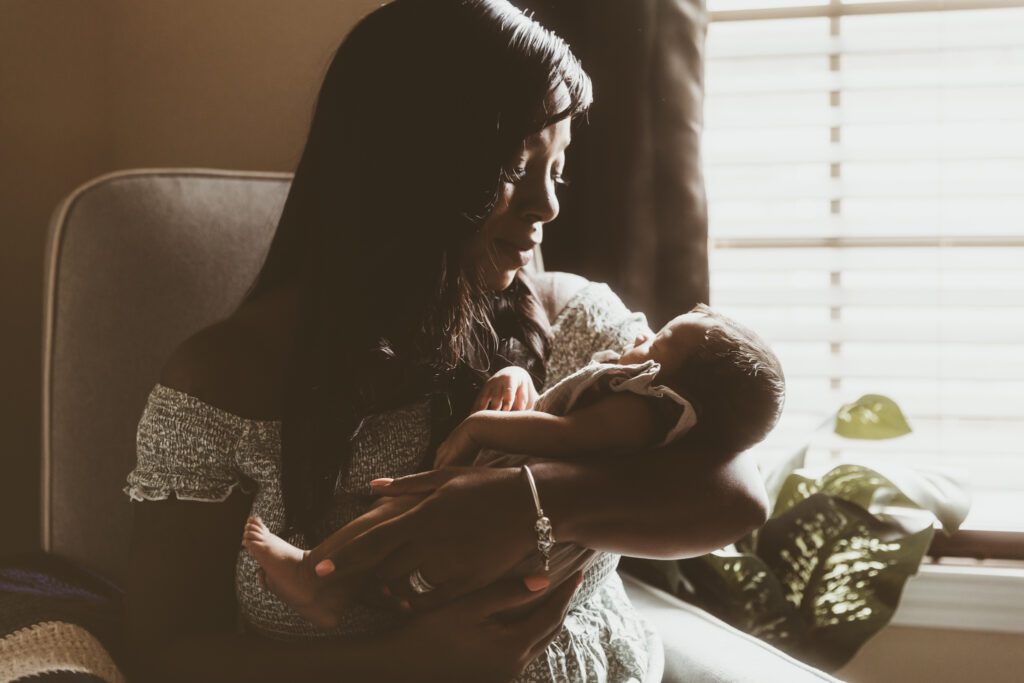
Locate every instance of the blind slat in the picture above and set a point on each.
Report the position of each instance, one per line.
(745, 233)
(920, 406)
(902, 79)
(887, 370)
(810, 150)
(888, 297)
(773, 45)
(733, 258)
(724, 11)
(948, 331)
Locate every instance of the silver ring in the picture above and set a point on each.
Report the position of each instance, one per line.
(419, 584)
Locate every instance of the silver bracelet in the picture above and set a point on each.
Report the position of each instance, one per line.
(545, 539)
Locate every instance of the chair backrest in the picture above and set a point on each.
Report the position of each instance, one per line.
(136, 262)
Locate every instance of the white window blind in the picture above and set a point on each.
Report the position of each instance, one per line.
(865, 175)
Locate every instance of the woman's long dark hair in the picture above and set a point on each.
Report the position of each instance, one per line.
(422, 108)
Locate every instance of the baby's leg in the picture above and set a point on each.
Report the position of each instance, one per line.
(288, 571)
(283, 570)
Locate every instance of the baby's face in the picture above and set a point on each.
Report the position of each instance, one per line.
(673, 344)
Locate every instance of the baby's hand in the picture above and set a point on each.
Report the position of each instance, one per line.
(510, 388)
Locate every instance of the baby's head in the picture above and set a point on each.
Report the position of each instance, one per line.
(729, 374)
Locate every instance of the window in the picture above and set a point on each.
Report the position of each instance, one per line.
(865, 175)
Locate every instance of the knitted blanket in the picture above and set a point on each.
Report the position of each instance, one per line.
(58, 622)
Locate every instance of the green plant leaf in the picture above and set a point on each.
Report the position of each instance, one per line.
(880, 488)
(669, 575)
(747, 544)
(774, 473)
(740, 589)
(798, 486)
(842, 571)
(871, 416)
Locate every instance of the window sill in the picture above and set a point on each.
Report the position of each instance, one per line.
(975, 596)
(978, 543)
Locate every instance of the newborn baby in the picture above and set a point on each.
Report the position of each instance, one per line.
(703, 377)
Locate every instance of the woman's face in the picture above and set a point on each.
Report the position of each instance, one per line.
(515, 225)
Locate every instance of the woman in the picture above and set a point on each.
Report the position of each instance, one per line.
(394, 286)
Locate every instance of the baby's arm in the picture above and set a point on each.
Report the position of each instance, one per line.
(618, 421)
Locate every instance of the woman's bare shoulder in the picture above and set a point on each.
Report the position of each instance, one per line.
(555, 290)
(237, 365)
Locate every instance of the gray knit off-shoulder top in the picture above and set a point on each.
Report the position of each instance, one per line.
(202, 453)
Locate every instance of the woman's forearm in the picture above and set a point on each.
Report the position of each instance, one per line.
(668, 504)
(248, 658)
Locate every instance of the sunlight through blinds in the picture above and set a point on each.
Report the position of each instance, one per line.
(865, 176)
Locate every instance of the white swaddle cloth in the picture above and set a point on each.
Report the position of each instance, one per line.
(604, 374)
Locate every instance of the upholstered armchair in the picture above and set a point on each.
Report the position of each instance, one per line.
(136, 262)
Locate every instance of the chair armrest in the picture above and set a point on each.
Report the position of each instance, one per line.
(699, 647)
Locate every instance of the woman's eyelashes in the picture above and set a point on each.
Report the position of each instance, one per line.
(516, 174)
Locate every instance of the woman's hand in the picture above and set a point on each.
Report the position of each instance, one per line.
(510, 388)
(460, 447)
(468, 639)
(474, 526)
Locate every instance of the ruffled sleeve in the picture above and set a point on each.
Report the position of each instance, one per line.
(673, 414)
(595, 319)
(187, 447)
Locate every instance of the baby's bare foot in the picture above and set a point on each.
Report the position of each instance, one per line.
(285, 573)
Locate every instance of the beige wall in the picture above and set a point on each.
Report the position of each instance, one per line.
(54, 134)
(908, 655)
(88, 87)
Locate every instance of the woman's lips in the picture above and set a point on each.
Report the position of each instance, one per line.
(520, 257)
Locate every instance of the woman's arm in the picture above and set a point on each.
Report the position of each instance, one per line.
(476, 524)
(674, 503)
(671, 503)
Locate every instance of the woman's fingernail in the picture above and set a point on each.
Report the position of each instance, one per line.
(404, 604)
(380, 483)
(536, 583)
(323, 567)
(385, 590)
